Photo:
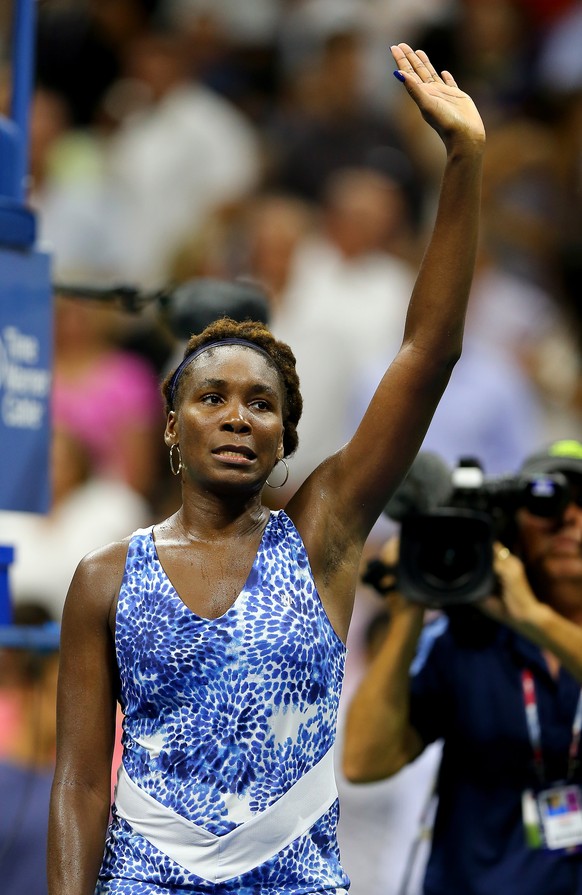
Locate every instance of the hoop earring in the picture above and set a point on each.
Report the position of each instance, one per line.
(284, 482)
(172, 459)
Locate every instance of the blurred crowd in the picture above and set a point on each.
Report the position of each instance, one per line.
(266, 141)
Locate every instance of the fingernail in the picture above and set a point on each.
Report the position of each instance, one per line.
(400, 76)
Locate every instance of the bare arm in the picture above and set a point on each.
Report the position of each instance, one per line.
(86, 704)
(345, 496)
(409, 393)
(379, 739)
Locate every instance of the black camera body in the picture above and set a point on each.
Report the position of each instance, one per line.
(446, 554)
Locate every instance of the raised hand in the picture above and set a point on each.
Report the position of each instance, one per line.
(443, 105)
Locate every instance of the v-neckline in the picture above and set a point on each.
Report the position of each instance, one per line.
(238, 597)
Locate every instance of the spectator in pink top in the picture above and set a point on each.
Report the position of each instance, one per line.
(107, 396)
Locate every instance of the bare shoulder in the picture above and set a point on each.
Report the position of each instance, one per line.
(97, 579)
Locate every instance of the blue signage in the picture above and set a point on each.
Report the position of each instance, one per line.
(26, 347)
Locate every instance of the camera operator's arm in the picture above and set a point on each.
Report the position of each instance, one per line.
(519, 608)
(378, 738)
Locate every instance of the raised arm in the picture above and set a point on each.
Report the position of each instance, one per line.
(86, 706)
(356, 482)
(400, 413)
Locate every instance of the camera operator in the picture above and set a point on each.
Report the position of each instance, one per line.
(506, 704)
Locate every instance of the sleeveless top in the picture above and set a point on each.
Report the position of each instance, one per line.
(226, 783)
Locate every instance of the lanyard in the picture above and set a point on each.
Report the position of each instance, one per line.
(532, 718)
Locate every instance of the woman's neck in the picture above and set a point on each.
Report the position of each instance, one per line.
(212, 519)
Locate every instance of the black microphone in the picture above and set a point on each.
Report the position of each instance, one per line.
(192, 306)
(186, 308)
(427, 485)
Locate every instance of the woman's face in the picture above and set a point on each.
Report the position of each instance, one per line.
(229, 419)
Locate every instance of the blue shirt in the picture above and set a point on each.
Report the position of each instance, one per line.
(470, 695)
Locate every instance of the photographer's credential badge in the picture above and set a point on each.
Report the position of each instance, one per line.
(552, 816)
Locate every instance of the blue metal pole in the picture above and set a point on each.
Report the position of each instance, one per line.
(23, 60)
(6, 557)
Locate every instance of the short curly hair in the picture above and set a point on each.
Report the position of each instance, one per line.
(280, 355)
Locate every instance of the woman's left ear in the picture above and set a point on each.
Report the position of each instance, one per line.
(169, 430)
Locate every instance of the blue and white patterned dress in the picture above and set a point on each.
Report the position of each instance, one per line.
(229, 729)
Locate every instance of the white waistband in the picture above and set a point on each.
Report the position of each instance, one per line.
(219, 858)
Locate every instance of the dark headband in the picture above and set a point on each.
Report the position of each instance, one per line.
(176, 375)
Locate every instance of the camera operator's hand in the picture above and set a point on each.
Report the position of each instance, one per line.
(389, 556)
(518, 607)
(396, 602)
(516, 604)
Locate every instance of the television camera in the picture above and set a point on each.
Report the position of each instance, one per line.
(449, 522)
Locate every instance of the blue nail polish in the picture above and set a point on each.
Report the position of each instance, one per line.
(399, 76)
